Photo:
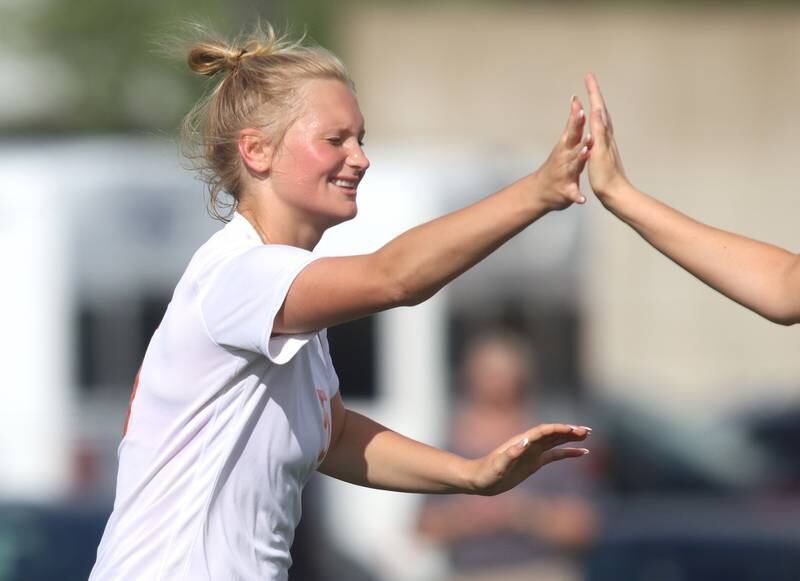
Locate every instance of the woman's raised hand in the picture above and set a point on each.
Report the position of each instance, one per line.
(559, 176)
(524, 454)
(606, 174)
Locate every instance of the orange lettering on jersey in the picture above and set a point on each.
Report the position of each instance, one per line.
(326, 423)
(130, 404)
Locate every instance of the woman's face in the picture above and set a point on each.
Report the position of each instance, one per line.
(318, 166)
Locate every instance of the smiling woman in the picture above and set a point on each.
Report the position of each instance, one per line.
(259, 94)
(317, 168)
(237, 400)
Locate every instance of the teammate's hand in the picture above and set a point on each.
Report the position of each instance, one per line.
(606, 174)
(558, 178)
(521, 456)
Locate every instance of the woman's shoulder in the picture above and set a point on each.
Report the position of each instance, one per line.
(225, 244)
(230, 258)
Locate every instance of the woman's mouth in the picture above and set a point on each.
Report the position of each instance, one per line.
(344, 183)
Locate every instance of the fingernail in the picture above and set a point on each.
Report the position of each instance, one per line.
(584, 150)
(572, 99)
(581, 114)
(588, 137)
(523, 443)
(584, 451)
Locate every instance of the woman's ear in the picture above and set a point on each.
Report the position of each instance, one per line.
(255, 150)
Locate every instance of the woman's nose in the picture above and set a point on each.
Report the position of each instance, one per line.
(358, 158)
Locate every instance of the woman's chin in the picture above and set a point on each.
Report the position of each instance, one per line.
(345, 214)
(350, 210)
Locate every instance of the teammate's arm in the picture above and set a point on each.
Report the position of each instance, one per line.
(418, 263)
(759, 276)
(366, 453)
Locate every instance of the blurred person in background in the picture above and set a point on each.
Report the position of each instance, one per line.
(759, 276)
(533, 531)
(237, 401)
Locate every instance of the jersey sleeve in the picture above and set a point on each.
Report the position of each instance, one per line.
(240, 303)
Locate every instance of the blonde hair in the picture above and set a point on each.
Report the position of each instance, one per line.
(262, 74)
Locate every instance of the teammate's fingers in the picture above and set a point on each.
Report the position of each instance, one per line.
(600, 135)
(596, 100)
(598, 115)
(561, 454)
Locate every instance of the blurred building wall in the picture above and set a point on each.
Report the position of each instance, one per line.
(704, 105)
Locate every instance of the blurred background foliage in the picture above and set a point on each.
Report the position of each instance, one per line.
(95, 66)
(100, 66)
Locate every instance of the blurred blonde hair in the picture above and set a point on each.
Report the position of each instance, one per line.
(262, 72)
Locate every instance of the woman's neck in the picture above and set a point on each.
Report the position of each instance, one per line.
(277, 225)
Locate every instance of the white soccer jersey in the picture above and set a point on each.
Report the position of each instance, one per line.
(226, 425)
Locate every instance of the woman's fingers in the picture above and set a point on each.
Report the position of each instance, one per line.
(543, 438)
(545, 433)
(546, 438)
(545, 448)
(561, 171)
(517, 449)
(561, 454)
(584, 148)
(549, 444)
(519, 457)
(502, 462)
(573, 132)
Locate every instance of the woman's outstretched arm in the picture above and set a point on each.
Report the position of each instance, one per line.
(418, 263)
(366, 453)
(759, 276)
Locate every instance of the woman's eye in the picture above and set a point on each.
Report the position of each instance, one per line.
(335, 140)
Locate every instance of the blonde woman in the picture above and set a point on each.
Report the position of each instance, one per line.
(237, 401)
(759, 276)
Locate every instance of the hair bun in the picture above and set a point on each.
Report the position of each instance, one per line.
(210, 58)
